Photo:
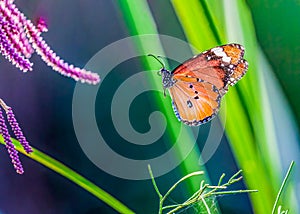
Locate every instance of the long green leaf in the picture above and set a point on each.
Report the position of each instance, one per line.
(66, 172)
(139, 21)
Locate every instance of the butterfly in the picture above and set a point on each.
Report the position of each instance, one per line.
(198, 84)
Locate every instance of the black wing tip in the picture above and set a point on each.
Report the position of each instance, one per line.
(237, 45)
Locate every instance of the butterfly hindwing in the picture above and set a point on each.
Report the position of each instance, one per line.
(195, 103)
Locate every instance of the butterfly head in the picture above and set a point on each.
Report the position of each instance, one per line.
(167, 76)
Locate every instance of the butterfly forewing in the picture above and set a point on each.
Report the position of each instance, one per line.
(234, 51)
(200, 68)
(219, 66)
(195, 103)
(239, 72)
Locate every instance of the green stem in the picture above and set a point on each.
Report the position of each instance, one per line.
(206, 206)
(153, 182)
(282, 186)
(181, 180)
(234, 192)
(221, 179)
(66, 172)
(160, 208)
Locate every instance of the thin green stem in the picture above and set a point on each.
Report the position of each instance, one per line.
(178, 182)
(170, 206)
(282, 186)
(161, 201)
(216, 187)
(234, 192)
(196, 194)
(178, 207)
(234, 177)
(221, 179)
(160, 207)
(206, 206)
(153, 182)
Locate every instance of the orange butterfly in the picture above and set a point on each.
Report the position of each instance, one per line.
(197, 85)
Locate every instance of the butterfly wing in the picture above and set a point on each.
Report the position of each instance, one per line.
(239, 72)
(221, 66)
(195, 103)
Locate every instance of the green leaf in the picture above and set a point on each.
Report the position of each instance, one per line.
(139, 21)
(249, 126)
(68, 173)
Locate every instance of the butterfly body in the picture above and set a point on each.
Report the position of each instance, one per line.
(167, 79)
(198, 84)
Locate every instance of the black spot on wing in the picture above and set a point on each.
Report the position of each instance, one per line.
(189, 104)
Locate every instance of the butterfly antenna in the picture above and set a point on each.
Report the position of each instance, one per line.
(160, 61)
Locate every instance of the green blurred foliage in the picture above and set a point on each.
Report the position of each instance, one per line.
(278, 31)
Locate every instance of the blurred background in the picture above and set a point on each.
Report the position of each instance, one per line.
(42, 102)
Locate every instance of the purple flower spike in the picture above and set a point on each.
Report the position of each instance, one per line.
(51, 59)
(10, 52)
(17, 130)
(13, 153)
(19, 37)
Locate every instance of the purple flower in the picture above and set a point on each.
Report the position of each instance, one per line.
(19, 38)
(13, 153)
(18, 134)
(10, 51)
(17, 130)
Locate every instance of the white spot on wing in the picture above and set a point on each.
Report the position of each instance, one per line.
(219, 52)
(226, 59)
